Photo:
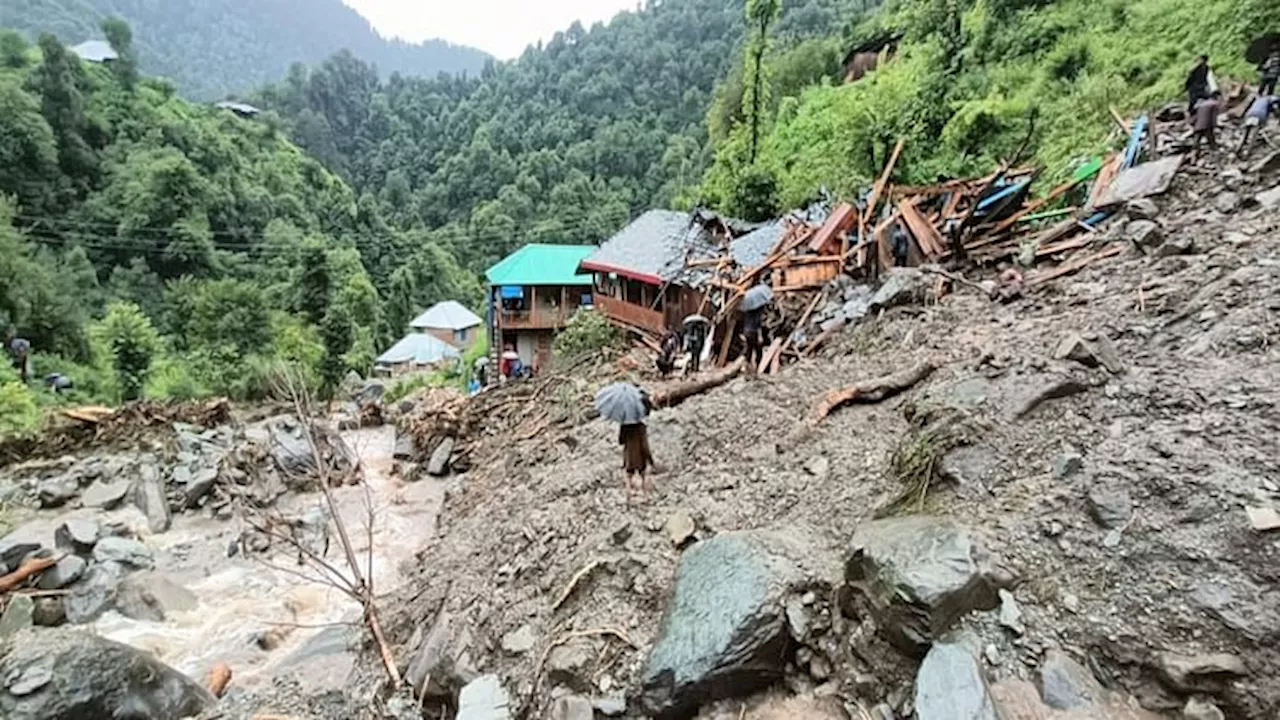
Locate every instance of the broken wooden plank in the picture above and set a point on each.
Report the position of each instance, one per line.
(1073, 266)
(881, 184)
(931, 242)
(767, 357)
(841, 219)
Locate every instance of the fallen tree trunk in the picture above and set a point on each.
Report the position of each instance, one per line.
(872, 391)
(680, 393)
(31, 567)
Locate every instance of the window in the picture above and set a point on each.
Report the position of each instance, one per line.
(460, 335)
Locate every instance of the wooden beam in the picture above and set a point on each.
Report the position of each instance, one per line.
(927, 235)
(1073, 266)
(767, 357)
(880, 185)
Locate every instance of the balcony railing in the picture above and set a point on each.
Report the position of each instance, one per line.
(539, 318)
(631, 315)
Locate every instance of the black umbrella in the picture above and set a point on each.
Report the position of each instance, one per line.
(622, 402)
(696, 320)
(1259, 49)
(757, 297)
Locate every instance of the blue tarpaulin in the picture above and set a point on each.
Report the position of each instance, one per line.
(510, 292)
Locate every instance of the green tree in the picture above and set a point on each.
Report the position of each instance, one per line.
(13, 49)
(311, 290)
(125, 65)
(129, 343)
(336, 333)
(57, 81)
(760, 15)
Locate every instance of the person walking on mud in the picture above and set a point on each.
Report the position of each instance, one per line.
(628, 405)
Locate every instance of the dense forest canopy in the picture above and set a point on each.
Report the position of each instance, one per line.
(563, 144)
(215, 48)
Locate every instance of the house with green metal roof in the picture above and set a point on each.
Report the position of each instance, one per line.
(531, 295)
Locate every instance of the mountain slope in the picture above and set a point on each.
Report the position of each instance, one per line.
(213, 48)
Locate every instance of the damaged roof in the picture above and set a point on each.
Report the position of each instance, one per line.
(753, 248)
(653, 248)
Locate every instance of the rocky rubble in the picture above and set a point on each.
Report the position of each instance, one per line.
(1079, 549)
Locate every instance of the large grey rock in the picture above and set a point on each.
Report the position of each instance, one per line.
(404, 448)
(58, 491)
(725, 629)
(78, 535)
(484, 699)
(1110, 507)
(13, 550)
(1065, 684)
(1091, 351)
(519, 641)
(149, 497)
(19, 614)
(95, 594)
(439, 463)
(288, 445)
(1201, 709)
(199, 487)
(123, 550)
(61, 674)
(1144, 233)
(570, 665)
(1142, 209)
(68, 570)
(1199, 673)
(950, 686)
(105, 495)
(1268, 199)
(920, 574)
(441, 664)
(901, 286)
(152, 596)
(572, 707)
(325, 662)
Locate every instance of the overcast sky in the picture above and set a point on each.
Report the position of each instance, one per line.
(500, 27)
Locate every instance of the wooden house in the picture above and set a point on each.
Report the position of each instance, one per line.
(451, 322)
(531, 295)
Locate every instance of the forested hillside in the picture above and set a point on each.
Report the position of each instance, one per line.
(149, 246)
(562, 145)
(216, 48)
(965, 83)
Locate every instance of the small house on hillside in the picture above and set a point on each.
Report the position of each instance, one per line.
(98, 51)
(639, 274)
(531, 295)
(450, 322)
(416, 352)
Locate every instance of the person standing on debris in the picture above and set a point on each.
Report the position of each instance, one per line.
(901, 246)
(1255, 118)
(1270, 71)
(1197, 84)
(667, 353)
(18, 351)
(1206, 122)
(752, 336)
(695, 341)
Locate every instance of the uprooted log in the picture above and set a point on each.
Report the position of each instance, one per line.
(32, 566)
(678, 394)
(872, 391)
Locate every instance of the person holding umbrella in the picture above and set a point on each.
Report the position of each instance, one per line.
(628, 405)
(695, 340)
(753, 304)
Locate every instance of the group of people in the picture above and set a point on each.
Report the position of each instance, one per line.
(692, 341)
(18, 350)
(1204, 102)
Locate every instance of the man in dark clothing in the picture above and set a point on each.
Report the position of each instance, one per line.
(901, 246)
(1197, 84)
(667, 356)
(18, 349)
(1206, 122)
(1270, 70)
(695, 338)
(752, 325)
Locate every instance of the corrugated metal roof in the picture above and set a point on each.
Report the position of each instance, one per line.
(753, 248)
(95, 51)
(537, 264)
(420, 349)
(653, 248)
(447, 315)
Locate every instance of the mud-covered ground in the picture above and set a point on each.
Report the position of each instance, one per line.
(1168, 452)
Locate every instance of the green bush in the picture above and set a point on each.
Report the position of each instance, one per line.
(126, 341)
(588, 331)
(174, 379)
(19, 412)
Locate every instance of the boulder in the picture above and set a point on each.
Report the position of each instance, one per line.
(1201, 709)
(1268, 199)
(105, 495)
(1010, 613)
(62, 674)
(1067, 464)
(199, 487)
(1142, 209)
(679, 528)
(152, 596)
(68, 570)
(58, 491)
(13, 550)
(1110, 507)
(725, 631)
(1067, 685)
(49, 612)
(405, 448)
(1226, 202)
(19, 614)
(1199, 673)
(572, 707)
(570, 664)
(901, 286)
(441, 665)
(78, 535)
(519, 641)
(123, 550)
(95, 594)
(149, 497)
(1091, 351)
(484, 699)
(950, 686)
(920, 574)
(438, 465)
(1144, 233)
